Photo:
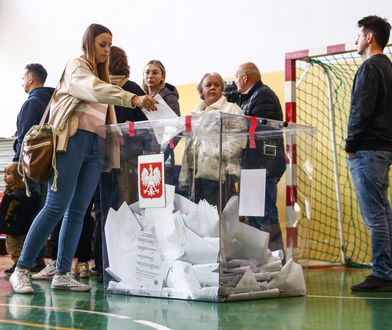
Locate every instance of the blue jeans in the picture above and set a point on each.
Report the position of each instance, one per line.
(79, 171)
(370, 173)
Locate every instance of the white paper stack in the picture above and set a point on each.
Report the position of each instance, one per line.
(177, 251)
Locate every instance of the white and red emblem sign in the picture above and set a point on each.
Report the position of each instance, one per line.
(151, 181)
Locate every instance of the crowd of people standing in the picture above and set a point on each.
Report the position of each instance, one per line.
(95, 90)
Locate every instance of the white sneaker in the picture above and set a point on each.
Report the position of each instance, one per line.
(20, 281)
(47, 273)
(68, 282)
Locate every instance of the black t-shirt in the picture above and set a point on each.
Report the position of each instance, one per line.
(124, 114)
(370, 121)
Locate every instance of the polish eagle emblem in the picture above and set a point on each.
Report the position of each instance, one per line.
(151, 181)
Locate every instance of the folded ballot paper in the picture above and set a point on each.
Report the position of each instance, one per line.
(185, 251)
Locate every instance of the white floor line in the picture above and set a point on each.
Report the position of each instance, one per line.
(348, 297)
(101, 313)
(152, 325)
(60, 309)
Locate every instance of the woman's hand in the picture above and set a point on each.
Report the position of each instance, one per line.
(146, 102)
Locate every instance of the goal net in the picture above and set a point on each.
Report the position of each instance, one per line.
(318, 92)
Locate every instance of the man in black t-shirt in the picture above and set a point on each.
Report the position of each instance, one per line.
(369, 146)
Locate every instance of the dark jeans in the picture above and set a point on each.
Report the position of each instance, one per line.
(370, 173)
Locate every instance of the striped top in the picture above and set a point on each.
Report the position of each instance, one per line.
(92, 116)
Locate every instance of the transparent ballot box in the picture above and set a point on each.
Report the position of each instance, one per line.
(190, 207)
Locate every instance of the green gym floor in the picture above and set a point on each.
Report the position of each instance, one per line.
(329, 304)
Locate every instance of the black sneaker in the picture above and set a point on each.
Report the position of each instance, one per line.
(373, 283)
(10, 270)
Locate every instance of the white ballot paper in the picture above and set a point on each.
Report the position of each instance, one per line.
(169, 232)
(204, 221)
(254, 295)
(162, 129)
(207, 274)
(184, 205)
(247, 283)
(171, 242)
(241, 240)
(182, 276)
(291, 280)
(150, 263)
(163, 110)
(121, 229)
(135, 208)
(169, 195)
(206, 293)
(247, 242)
(199, 250)
(252, 192)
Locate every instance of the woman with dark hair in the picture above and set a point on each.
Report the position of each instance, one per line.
(79, 106)
(119, 75)
(119, 71)
(119, 184)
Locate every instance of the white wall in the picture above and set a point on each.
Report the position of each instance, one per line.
(189, 37)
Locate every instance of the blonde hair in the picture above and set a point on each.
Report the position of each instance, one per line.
(163, 72)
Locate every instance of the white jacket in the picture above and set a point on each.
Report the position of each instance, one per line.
(79, 86)
(202, 145)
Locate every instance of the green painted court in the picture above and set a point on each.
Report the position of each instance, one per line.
(329, 304)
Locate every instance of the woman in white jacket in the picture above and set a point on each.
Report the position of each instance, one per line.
(79, 107)
(199, 176)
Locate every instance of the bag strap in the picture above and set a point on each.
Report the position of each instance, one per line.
(40, 125)
(42, 121)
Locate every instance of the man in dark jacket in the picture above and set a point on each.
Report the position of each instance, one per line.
(33, 108)
(369, 146)
(30, 114)
(257, 99)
